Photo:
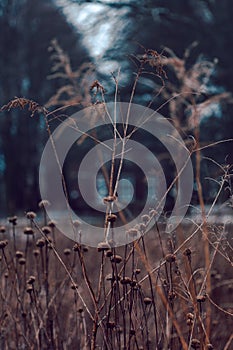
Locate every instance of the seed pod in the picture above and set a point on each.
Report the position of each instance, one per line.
(145, 219)
(22, 261)
(29, 288)
(52, 224)
(36, 252)
(201, 298)
(137, 271)
(102, 246)
(31, 215)
(3, 244)
(147, 301)
(18, 254)
(2, 229)
(28, 231)
(40, 242)
(109, 253)
(126, 280)
(133, 232)
(74, 286)
(117, 259)
(31, 280)
(195, 343)
(170, 258)
(76, 247)
(13, 220)
(190, 316)
(44, 203)
(111, 218)
(109, 199)
(67, 251)
(46, 230)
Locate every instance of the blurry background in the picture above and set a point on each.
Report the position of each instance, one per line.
(106, 34)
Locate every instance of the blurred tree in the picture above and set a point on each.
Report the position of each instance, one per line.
(27, 27)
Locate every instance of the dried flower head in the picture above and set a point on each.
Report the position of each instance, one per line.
(102, 246)
(46, 230)
(28, 231)
(67, 251)
(76, 247)
(31, 215)
(13, 220)
(3, 244)
(31, 280)
(18, 254)
(111, 218)
(117, 259)
(40, 242)
(2, 229)
(44, 203)
(170, 258)
(22, 261)
(147, 301)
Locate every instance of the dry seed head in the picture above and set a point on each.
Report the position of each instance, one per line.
(117, 259)
(170, 258)
(201, 298)
(189, 322)
(22, 261)
(147, 301)
(111, 218)
(145, 219)
(67, 251)
(18, 254)
(142, 227)
(3, 244)
(6, 275)
(109, 253)
(31, 215)
(28, 231)
(44, 203)
(152, 213)
(13, 220)
(133, 283)
(195, 343)
(190, 316)
(76, 247)
(133, 232)
(46, 230)
(126, 280)
(36, 252)
(52, 224)
(85, 249)
(109, 199)
(110, 277)
(76, 223)
(137, 271)
(40, 242)
(74, 286)
(2, 229)
(31, 280)
(102, 246)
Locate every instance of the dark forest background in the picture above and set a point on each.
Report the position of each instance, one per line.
(26, 30)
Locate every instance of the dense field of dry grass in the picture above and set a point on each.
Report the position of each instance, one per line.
(155, 293)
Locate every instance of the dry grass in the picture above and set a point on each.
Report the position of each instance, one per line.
(163, 291)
